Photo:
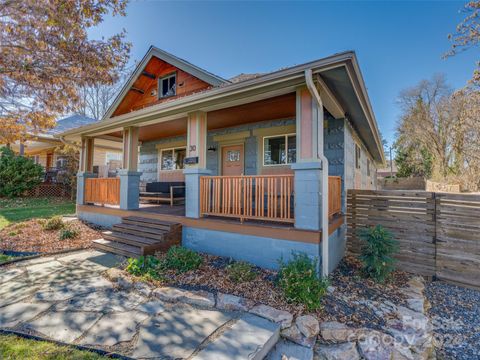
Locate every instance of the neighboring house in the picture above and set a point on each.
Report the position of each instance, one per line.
(266, 159)
(43, 149)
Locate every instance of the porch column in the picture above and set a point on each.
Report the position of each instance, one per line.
(85, 168)
(308, 166)
(129, 176)
(197, 161)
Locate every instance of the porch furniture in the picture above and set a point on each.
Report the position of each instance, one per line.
(167, 191)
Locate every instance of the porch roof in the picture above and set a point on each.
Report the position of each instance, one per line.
(339, 73)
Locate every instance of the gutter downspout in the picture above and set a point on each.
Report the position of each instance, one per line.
(314, 92)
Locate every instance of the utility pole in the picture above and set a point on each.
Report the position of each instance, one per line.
(391, 163)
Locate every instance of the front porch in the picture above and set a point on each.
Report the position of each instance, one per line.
(254, 178)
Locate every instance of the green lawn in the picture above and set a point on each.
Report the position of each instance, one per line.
(5, 258)
(14, 347)
(20, 209)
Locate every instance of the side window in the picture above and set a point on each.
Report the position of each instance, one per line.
(357, 156)
(167, 86)
(368, 167)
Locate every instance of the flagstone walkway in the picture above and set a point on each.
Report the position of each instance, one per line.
(66, 298)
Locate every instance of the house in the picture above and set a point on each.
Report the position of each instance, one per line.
(43, 149)
(266, 158)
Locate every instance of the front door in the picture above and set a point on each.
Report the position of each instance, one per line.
(232, 160)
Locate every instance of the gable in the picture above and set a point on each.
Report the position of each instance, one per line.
(144, 91)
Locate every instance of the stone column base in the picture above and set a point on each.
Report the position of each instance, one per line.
(129, 189)
(308, 195)
(192, 191)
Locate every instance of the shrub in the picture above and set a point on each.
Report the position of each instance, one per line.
(147, 267)
(17, 173)
(54, 223)
(182, 259)
(68, 233)
(241, 271)
(378, 246)
(299, 281)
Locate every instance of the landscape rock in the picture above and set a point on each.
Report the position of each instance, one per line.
(287, 350)
(294, 334)
(193, 297)
(308, 325)
(416, 304)
(376, 346)
(338, 332)
(113, 274)
(344, 351)
(284, 318)
(233, 303)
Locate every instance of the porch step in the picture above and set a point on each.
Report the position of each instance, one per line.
(117, 248)
(152, 223)
(136, 236)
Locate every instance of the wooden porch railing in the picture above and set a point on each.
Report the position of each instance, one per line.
(334, 195)
(102, 191)
(260, 197)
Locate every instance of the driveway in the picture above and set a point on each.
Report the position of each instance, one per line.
(66, 298)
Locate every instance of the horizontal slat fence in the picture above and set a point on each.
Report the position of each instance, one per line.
(105, 191)
(439, 233)
(261, 197)
(458, 238)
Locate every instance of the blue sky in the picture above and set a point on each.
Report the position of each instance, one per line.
(397, 43)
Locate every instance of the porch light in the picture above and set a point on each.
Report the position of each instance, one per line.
(212, 149)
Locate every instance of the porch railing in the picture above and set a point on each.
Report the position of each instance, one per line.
(260, 197)
(102, 191)
(334, 195)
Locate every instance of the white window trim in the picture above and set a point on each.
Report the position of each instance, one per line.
(159, 87)
(170, 149)
(286, 148)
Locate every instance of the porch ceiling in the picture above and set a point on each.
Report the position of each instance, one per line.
(280, 107)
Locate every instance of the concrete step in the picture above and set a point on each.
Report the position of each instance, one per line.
(251, 337)
(152, 223)
(147, 232)
(117, 248)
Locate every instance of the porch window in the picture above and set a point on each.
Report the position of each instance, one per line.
(167, 86)
(279, 149)
(172, 159)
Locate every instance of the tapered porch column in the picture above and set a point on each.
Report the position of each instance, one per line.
(196, 161)
(85, 168)
(308, 166)
(129, 176)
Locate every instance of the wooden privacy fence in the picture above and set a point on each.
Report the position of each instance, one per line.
(102, 191)
(438, 233)
(262, 197)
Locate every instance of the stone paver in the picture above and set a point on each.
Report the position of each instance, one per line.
(15, 291)
(14, 314)
(64, 326)
(7, 275)
(177, 333)
(104, 301)
(251, 337)
(58, 291)
(152, 307)
(112, 329)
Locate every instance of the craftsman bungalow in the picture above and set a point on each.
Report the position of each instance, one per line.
(265, 159)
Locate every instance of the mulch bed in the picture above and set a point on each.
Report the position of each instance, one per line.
(346, 282)
(29, 236)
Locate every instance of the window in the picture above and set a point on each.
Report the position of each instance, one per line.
(357, 156)
(167, 86)
(368, 167)
(279, 150)
(172, 159)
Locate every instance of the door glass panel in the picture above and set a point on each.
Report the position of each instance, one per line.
(233, 155)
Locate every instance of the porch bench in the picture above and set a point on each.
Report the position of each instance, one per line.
(167, 191)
